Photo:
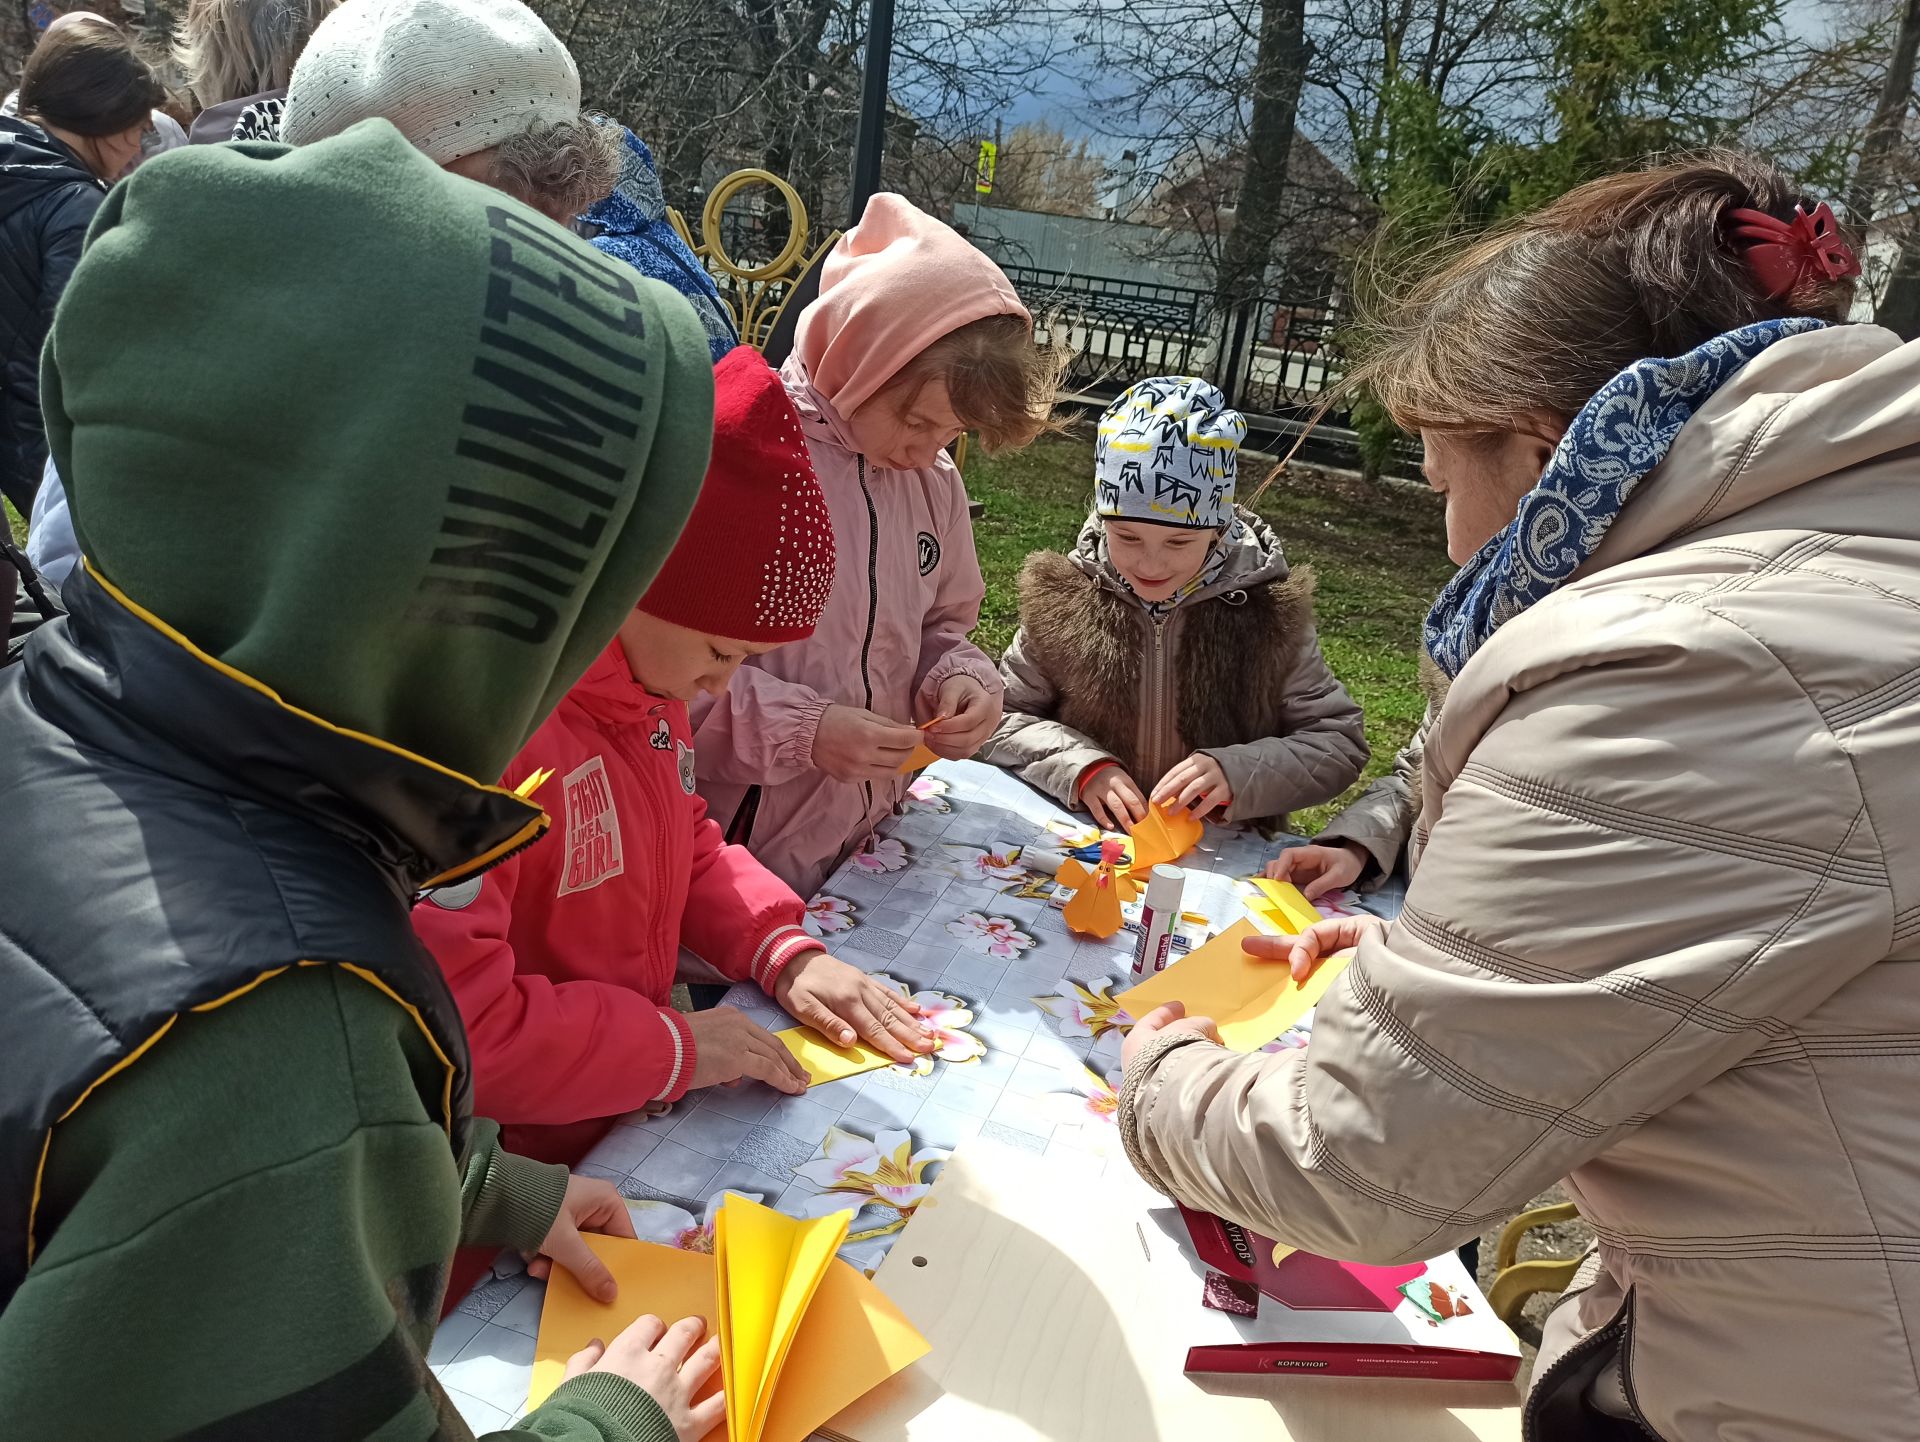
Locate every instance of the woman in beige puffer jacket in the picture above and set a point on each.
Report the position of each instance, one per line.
(1667, 867)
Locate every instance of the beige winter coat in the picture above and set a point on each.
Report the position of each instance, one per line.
(1666, 892)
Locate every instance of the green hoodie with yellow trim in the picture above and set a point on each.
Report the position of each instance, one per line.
(326, 591)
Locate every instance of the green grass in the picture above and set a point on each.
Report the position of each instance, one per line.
(1379, 551)
(14, 523)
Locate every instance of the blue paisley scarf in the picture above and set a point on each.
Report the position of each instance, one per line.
(1619, 436)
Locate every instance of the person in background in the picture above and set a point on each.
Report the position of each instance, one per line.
(163, 135)
(916, 338)
(481, 87)
(240, 1149)
(1662, 932)
(562, 959)
(86, 102)
(1173, 657)
(631, 224)
(238, 57)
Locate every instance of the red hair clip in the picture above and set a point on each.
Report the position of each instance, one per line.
(1782, 255)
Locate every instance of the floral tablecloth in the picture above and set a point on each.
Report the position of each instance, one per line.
(940, 905)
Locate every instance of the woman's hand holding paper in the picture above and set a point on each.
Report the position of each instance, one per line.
(1316, 870)
(1314, 945)
(1169, 1018)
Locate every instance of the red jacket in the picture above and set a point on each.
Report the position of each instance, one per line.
(562, 958)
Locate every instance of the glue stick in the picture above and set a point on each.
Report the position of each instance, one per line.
(1158, 914)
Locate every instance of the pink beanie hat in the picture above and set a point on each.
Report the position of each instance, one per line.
(895, 284)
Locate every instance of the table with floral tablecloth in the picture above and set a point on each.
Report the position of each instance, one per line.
(939, 904)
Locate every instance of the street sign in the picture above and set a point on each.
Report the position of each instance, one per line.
(983, 172)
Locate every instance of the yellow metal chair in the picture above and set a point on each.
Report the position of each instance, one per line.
(758, 296)
(1513, 1281)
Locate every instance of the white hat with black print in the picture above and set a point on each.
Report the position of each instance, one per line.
(1168, 451)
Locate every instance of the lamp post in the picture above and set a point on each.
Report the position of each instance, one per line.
(870, 140)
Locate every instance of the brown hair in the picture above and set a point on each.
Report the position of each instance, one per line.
(89, 80)
(1533, 319)
(1000, 381)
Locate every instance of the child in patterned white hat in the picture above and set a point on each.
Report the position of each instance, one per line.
(1172, 657)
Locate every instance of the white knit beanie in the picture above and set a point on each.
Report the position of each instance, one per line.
(454, 76)
(1168, 451)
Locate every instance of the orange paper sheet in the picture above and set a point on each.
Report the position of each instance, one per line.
(923, 757)
(849, 1338)
(827, 1061)
(1163, 836)
(923, 754)
(1252, 1001)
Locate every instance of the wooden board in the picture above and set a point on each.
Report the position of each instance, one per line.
(1051, 1322)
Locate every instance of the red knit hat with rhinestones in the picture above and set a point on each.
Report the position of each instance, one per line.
(755, 562)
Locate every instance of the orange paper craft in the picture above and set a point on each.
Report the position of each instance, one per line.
(1162, 837)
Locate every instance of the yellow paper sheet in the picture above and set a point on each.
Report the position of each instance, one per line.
(827, 1061)
(851, 1339)
(1281, 909)
(1252, 1001)
(771, 1265)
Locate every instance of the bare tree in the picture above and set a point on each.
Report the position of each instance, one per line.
(1041, 169)
(716, 85)
(1841, 112)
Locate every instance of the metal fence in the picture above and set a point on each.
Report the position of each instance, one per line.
(1272, 356)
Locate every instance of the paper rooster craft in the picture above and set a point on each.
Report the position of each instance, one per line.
(1162, 836)
(1098, 894)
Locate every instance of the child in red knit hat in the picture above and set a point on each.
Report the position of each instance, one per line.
(562, 958)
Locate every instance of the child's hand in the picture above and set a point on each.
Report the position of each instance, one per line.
(971, 713)
(845, 1005)
(727, 1048)
(1304, 952)
(662, 1362)
(1196, 786)
(591, 1205)
(1114, 798)
(1316, 870)
(854, 745)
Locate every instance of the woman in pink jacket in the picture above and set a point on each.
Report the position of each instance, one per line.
(915, 339)
(563, 957)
